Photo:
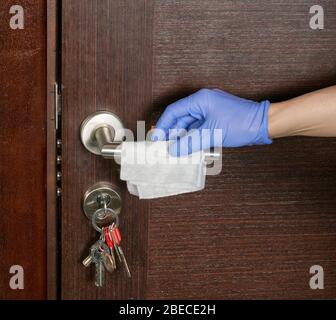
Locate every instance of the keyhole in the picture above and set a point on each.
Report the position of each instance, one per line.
(103, 201)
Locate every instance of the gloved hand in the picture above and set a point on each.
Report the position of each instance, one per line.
(225, 121)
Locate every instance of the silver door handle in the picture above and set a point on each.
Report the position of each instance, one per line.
(102, 134)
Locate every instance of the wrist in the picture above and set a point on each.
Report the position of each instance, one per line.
(280, 121)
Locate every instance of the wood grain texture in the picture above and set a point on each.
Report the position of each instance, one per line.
(23, 150)
(106, 66)
(259, 226)
(256, 230)
(270, 215)
(52, 223)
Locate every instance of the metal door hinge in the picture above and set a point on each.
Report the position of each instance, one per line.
(58, 136)
(58, 106)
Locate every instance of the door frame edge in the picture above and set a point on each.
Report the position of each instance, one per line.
(51, 165)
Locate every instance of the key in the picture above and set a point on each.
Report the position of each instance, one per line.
(109, 262)
(100, 271)
(128, 272)
(88, 260)
(107, 255)
(110, 258)
(111, 243)
(97, 257)
(113, 258)
(114, 233)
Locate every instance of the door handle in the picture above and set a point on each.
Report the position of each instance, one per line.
(102, 134)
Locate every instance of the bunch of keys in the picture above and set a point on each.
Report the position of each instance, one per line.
(102, 252)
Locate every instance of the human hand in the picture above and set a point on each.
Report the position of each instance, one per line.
(213, 118)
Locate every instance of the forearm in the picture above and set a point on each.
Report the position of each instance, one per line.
(313, 114)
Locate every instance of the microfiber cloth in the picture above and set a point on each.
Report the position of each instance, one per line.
(152, 173)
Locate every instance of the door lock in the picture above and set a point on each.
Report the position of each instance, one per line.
(105, 198)
(102, 205)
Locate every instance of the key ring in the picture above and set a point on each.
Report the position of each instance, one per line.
(98, 213)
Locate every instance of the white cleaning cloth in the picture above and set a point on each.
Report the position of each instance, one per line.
(151, 172)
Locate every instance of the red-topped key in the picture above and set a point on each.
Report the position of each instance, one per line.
(108, 239)
(114, 233)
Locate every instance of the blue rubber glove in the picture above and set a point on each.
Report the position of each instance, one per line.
(231, 122)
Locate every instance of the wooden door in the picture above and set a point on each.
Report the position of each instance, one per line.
(23, 151)
(269, 216)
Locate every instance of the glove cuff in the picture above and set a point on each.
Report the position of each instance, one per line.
(265, 105)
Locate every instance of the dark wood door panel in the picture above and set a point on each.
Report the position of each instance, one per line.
(256, 230)
(259, 226)
(260, 49)
(23, 149)
(106, 66)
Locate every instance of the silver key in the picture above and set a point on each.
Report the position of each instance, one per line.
(109, 261)
(88, 260)
(120, 252)
(97, 257)
(107, 255)
(128, 272)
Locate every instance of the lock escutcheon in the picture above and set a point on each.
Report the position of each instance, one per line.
(102, 129)
(98, 195)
